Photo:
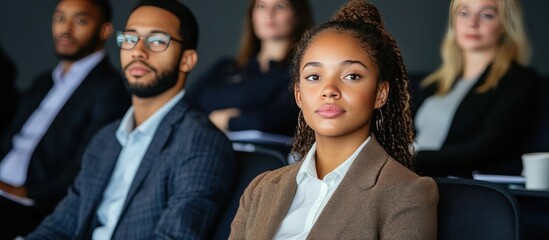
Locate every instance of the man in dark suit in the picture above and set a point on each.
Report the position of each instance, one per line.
(40, 152)
(164, 171)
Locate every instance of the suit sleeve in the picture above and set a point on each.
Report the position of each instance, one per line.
(513, 114)
(201, 183)
(414, 215)
(63, 222)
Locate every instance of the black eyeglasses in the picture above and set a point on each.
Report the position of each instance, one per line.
(156, 42)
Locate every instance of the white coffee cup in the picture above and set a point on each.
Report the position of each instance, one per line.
(535, 168)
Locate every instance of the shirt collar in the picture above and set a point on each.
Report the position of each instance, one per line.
(81, 67)
(149, 126)
(309, 167)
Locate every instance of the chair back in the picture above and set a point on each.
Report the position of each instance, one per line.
(472, 209)
(251, 163)
(541, 140)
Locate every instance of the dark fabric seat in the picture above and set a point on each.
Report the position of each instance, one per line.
(251, 162)
(534, 211)
(471, 209)
(541, 143)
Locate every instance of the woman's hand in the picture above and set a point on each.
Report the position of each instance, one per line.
(220, 118)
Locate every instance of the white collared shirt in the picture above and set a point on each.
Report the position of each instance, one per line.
(312, 195)
(135, 143)
(14, 167)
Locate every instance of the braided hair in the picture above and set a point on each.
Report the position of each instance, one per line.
(363, 21)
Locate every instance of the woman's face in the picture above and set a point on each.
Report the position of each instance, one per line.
(273, 19)
(478, 25)
(338, 86)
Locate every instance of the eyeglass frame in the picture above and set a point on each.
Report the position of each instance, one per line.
(139, 37)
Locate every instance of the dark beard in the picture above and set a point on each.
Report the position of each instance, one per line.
(85, 50)
(162, 83)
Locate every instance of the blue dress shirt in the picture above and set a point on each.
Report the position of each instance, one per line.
(134, 142)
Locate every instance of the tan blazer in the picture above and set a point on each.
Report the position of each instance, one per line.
(378, 199)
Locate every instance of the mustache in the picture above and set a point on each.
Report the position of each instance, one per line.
(141, 62)
(65, 35)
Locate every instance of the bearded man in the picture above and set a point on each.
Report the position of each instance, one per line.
(164, 171)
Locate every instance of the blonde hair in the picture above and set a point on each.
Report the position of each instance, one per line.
(513, 46)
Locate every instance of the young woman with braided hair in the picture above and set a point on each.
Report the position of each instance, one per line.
(354, 134)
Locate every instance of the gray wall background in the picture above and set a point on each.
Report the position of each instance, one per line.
(418, 26)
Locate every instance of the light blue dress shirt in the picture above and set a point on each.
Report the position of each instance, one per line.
(134, 142)
(312, 195)
(14, 167)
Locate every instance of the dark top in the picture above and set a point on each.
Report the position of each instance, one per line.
(489, 131)
(9, 96)
(265, 100)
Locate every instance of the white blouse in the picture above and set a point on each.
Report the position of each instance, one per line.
(312, 195)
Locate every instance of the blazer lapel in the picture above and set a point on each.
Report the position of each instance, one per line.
(348, 198)
(86, 90)
(278, 195)
(154, 151)
(101, 175)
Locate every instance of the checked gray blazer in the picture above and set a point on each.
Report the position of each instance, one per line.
(182, 183)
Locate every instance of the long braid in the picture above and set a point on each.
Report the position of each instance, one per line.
(399, 136)
(304, 136)
(405, 122)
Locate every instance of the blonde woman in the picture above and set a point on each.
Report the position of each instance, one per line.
(478, 110)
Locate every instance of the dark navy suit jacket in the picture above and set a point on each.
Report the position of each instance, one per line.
(100, 99)
(182, 183)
